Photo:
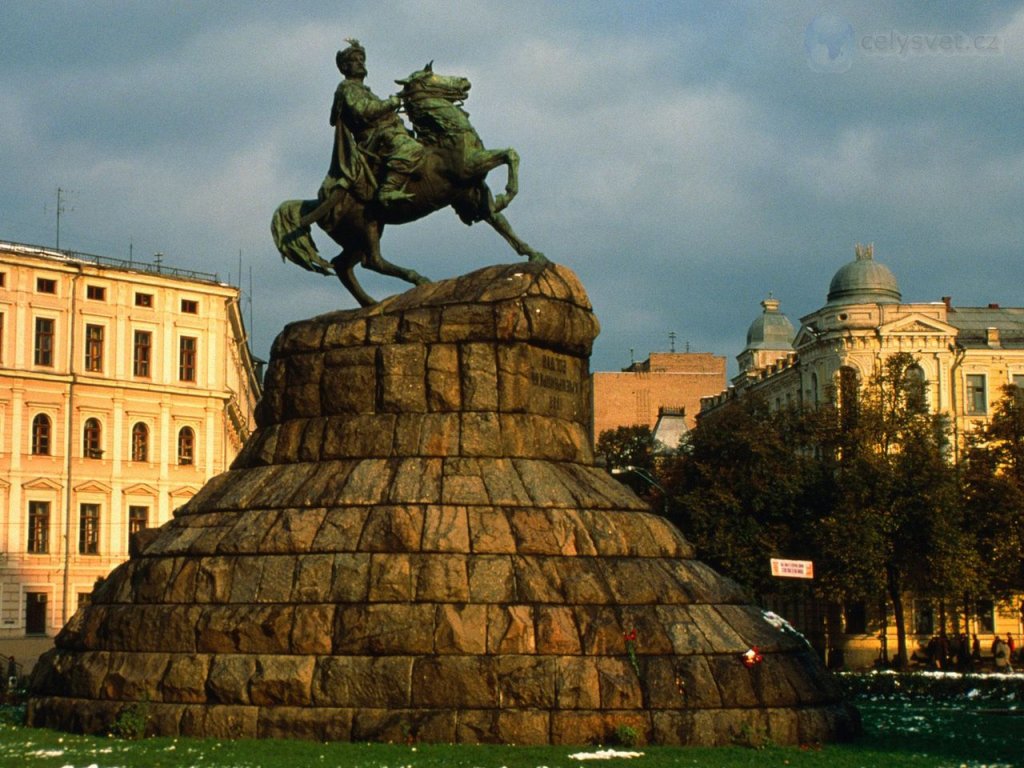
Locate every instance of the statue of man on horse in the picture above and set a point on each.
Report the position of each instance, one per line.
(381, 174)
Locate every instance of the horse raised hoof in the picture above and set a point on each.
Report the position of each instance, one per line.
(417, 279)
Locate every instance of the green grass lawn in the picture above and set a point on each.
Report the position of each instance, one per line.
(900, 731)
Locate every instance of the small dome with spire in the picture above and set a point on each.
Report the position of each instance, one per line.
(864, 281)
(772, 330)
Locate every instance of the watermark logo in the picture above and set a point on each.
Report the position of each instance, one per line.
(895, 43)
(829, 43)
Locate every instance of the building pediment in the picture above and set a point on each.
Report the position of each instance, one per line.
(185, 491)
(917, 325)
(92, 486)
(41, 484)
(804, 336)
(140, 489)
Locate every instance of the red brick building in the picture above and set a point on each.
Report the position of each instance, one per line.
(673, 380)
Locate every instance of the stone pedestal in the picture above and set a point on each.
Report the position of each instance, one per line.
(415, 544)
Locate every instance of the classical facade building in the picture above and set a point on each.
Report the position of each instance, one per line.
(123, 388)
(965, 354)
(662, 392)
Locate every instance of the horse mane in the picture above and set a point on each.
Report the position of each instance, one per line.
(435, 111)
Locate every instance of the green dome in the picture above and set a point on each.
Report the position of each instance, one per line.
(864, 281)
(772, 330)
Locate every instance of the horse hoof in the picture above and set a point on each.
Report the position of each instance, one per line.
(536, 257)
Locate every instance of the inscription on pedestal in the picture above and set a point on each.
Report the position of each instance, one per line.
(554, 378)
(555, 383)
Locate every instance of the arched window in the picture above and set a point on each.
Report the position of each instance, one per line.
(140, 442)
(41, 435)
(91, 435)
(186, 446)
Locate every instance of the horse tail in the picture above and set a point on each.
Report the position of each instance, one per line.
(293, 239)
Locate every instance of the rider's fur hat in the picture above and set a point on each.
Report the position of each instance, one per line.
(354, 50)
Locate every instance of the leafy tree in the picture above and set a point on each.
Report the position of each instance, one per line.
(992, 475)
(743, 487)
(627, 447)
(864, 487)
(896, 524)
(1005, 433)
(629, 454)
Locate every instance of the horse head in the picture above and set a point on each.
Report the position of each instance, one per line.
(427, 84)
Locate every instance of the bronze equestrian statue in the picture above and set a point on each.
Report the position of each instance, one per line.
(381, 174)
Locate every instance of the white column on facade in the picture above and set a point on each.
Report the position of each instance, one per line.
(167, 446)
(23, 329)
(115, 522)
(210, 373)
(941, 384)
(210, 462)
(17, 427)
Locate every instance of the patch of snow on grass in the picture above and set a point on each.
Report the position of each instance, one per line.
(604, 754)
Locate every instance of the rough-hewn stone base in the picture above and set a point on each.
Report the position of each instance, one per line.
(416, 544)
(705, 727)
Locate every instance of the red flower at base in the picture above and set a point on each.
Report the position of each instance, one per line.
(751, 657)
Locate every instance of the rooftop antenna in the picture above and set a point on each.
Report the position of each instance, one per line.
(672, 341)
(62, 195)
(158, 259)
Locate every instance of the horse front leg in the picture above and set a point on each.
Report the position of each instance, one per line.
(511, 184)
(479, 164)
(503, 228)
(372, 259)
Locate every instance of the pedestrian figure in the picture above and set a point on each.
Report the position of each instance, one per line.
(1001, 655)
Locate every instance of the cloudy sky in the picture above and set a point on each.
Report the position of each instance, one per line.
(685, 159)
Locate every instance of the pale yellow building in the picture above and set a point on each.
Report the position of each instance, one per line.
(123, 388)
(965, 354)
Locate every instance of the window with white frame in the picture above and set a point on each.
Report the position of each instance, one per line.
(140, 442)
(186, 446)
(41, 434)
(92, 434)
(38, 527)
(976, 394)
(89, 529)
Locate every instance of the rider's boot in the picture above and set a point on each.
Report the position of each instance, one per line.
(392, 189)
(391, 192)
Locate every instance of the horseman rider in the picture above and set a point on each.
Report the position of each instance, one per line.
(375, 126)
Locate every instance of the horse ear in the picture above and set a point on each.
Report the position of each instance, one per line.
(430, 66)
